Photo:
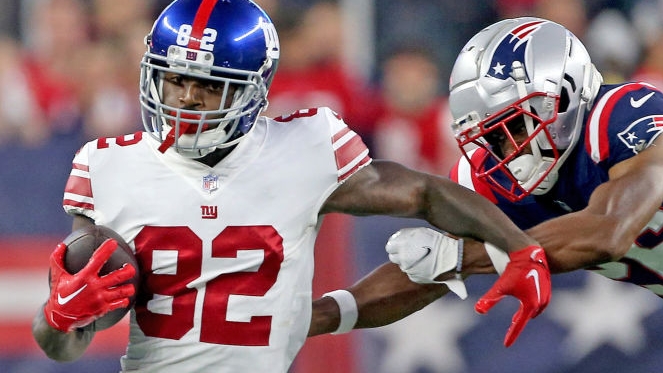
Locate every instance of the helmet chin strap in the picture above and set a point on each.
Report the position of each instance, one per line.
(525, 168)
(186, 130)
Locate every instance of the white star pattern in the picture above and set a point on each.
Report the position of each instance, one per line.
(425, 339)
(602, 312)
(499, 69)
(631, 136)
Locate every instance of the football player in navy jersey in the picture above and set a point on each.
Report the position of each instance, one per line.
(222, 207)
(576, 163)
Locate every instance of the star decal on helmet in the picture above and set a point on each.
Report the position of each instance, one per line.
(512, 48)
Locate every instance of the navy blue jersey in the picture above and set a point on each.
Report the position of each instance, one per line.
(624, 120)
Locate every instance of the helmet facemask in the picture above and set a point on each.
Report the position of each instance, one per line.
(519, 128)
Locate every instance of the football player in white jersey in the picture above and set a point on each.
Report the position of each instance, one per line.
(576, 163)
(222, 207)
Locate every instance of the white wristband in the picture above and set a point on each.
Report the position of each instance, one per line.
(348, 307)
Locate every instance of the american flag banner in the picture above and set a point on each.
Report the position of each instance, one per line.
(591, 325)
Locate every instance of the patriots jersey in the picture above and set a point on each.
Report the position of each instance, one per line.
(625, 119)
(225, 252)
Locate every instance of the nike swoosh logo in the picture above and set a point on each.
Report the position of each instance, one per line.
(641, 101)
(535, 275)
(428, 251)
(65, 300)
(534, 254)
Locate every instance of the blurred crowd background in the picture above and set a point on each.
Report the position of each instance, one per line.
(69, 73)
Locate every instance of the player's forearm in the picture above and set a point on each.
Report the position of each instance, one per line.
(325, 316)
(616, 212)
(579, 240)
(57, 345)
(384, 296)
(459, 211)
(387, 295)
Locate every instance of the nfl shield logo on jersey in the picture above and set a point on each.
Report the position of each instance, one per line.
(210, 183)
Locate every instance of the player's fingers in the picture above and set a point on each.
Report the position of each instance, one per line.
(57, 256)
(101, 255)
(118, 276)
(393, 257)
(518, 323)
(488, 300)
(120, 293)
(117, 304)
(543, 304)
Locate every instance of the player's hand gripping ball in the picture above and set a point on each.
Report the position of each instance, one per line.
(94, 279)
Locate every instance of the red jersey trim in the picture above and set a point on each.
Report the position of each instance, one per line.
(463, 174)
(79, 185)
(597, 142)
(351, 154)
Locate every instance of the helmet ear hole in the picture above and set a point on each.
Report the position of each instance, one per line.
(564, 100)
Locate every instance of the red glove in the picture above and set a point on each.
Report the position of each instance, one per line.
(527, 278)
(79, 299)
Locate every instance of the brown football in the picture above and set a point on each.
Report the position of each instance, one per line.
(80, 246)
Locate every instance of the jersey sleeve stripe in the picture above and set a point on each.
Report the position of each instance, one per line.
(350, 152)
(596, 139)
(354, 167)
(79, 173)
(79, 185)
(80, 166)
(72, 200)
(341, 137)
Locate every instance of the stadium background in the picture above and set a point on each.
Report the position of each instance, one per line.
(592, 324)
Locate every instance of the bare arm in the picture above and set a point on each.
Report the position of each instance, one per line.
(387, 295)
(57, 345)
(384, 296)
(387, 188)
(617, 211)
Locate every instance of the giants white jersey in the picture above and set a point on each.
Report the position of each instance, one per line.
(225, 252)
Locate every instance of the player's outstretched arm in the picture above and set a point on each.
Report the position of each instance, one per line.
(382, 297)
(617, 211)
(387, 295)
(388, 188)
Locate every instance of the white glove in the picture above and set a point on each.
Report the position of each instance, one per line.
(499, 258)
(423, 254)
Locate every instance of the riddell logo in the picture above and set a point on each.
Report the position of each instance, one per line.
(209, 212)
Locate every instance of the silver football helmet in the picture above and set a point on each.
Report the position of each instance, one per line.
(515, 75)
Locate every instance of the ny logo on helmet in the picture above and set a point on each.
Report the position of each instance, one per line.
(512, 48)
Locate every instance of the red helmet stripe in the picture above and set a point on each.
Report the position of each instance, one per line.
(200, 22)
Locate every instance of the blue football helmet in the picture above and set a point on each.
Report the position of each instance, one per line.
(232, 43)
